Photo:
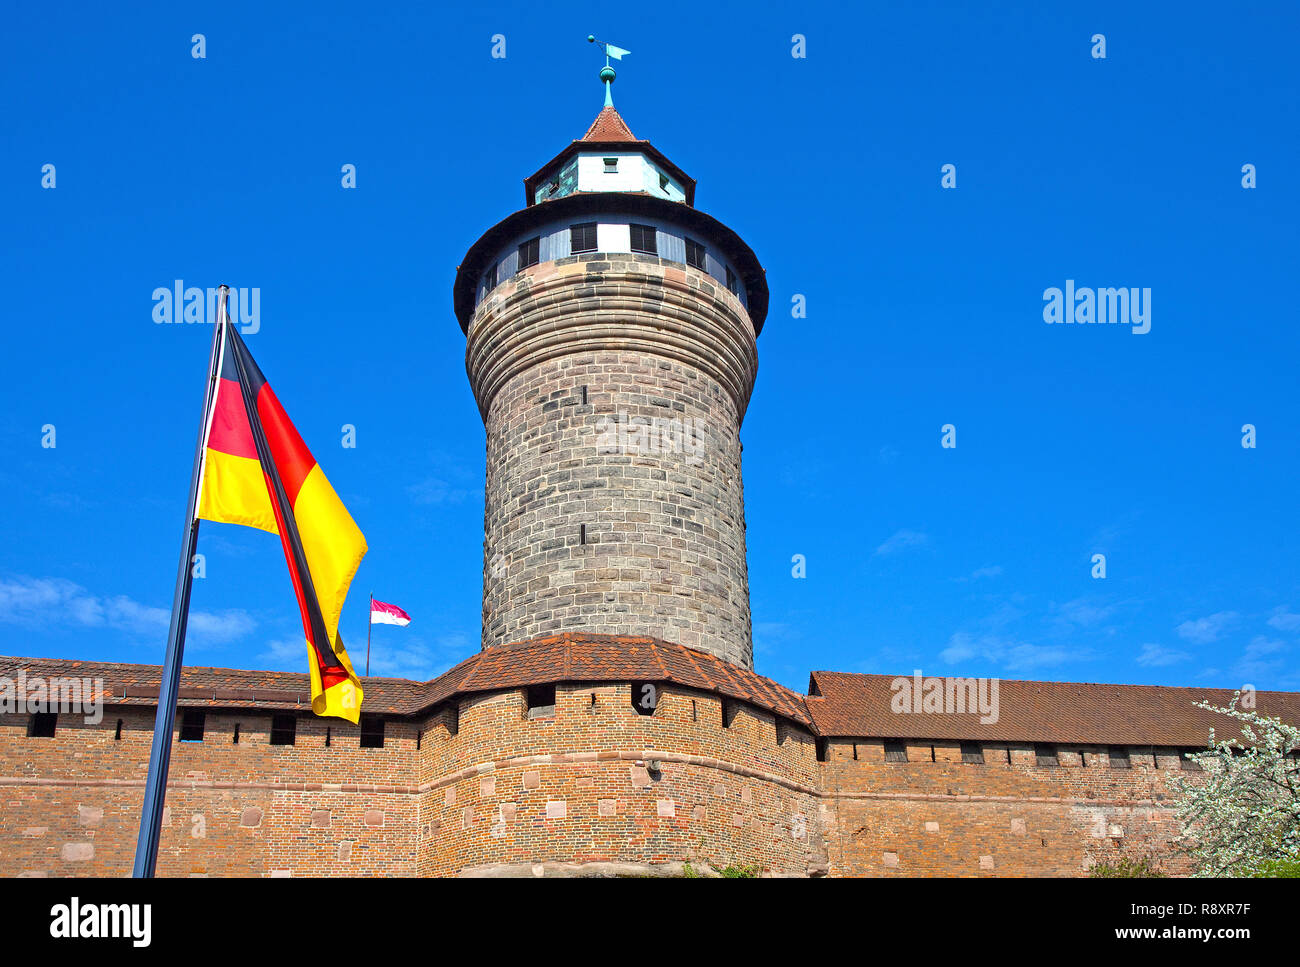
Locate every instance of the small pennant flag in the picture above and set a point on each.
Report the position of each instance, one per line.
(257, 472)
(387, 614)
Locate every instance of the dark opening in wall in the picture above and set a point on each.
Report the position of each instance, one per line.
(728, 712)
(584, 396)
(453, 718)
(117, 733)
(695, 712)
(235, 739)
(895, 750)
(328, 732)
(582, 533)
(1083, 759)
(1191, 765)
(1045, 755)
(973, 753)
(372, 731)
(192, 722)
(821, 750)
(645, 697)
(1119, 758)
(419, 739)
(540, 700)
(42, 724)
(855, 752)
(284, 729)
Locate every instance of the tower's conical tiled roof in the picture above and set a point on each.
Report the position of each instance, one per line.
(608, 126)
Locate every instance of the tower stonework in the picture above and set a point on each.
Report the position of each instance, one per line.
(611, 346)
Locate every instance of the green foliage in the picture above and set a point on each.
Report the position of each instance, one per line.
(1125, 869)
(1278, 869)
(727, 872)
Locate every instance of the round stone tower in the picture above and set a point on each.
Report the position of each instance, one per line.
(611, 332)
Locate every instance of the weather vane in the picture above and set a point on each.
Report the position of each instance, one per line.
(607, 73)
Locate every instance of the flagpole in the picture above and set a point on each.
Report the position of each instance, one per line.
(155, 790)
(370, 621)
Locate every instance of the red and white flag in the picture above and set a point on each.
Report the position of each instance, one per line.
(387, 614)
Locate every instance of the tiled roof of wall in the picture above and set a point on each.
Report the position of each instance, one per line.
(843, 704)
(1049, 712)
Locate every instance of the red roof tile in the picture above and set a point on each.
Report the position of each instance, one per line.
(608, 126)
(1050, 712)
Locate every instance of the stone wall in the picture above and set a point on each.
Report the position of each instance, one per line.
(612, 389)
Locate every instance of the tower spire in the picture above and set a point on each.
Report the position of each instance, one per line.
(607, 73)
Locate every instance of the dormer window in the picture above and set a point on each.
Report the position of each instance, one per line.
(644, 239)
(611, 166)
(663, 182)
(694, 254)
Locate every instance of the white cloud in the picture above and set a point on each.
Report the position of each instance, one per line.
(1158, 656)
(432, 490)
(1284, 620)
(1202, 631)
(991, 571)
(56, 602)
(901, 541)
(1012, 655)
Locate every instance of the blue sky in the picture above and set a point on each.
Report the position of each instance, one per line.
(924, 308)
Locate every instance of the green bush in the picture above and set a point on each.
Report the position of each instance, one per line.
(1126, 869)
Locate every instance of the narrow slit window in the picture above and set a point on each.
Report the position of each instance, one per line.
(284, 729)
(117, 734)
(728, 712)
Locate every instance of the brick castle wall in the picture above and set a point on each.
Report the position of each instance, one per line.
(492, 788)
(936, 815)
(612, 389)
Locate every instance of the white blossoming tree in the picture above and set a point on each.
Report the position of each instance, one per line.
(1243, 817)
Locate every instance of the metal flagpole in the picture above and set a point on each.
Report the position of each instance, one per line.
(370, 621)
(155, 789)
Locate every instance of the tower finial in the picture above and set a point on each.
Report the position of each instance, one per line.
(607, 73)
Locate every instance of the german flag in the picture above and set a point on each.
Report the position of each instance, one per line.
(257, 472)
